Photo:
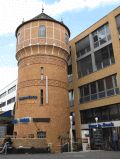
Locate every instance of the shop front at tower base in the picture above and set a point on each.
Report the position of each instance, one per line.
(101, 136)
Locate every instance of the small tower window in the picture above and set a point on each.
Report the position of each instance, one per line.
(41, 73)
(41, 134)
(42, 31)
(42, 70)
(18, 38)
(41, 97)
(66, 38)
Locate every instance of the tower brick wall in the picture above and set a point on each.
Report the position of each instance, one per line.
(50, 53)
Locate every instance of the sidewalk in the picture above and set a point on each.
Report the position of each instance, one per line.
(68, 155)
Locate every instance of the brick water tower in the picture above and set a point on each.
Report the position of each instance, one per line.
(42, 107)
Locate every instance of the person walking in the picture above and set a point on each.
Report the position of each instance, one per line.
(6, 144)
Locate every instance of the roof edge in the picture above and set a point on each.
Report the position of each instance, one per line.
(32, 20)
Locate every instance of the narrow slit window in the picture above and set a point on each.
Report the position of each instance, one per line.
(41, 97)
(42, 70)
(18, 38)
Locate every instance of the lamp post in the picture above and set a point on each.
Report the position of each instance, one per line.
(71, 141)
(96, 119)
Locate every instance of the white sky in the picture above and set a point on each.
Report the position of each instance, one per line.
(7, 75)
(12, 13)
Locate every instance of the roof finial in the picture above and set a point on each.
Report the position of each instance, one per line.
(23, 20)
(61, 20)
(42, 9)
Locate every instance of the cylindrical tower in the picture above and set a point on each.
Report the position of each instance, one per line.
(42, 107)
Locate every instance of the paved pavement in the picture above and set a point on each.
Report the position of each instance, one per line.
(74, 155)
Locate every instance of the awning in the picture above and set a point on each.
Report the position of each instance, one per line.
(6, 114)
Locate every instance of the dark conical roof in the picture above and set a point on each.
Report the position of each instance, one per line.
(42, 16)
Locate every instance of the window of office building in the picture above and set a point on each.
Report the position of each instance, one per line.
(101, 35)
(42, 31)
(83, 46)
(9, 101)
(71, 97)
(3, 94)
(2, 104)
(104, 57)
(12, 89)
(99, 89)
(69, 69)
(84, 66)
(118, 23)
(104, 114)
(70, 73)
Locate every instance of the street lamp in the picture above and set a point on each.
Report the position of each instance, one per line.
(71, 141)
(96, 119)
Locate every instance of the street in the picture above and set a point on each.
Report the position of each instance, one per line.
(74, 155)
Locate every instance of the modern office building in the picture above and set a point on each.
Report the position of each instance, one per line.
(7, 104)
(95, 85)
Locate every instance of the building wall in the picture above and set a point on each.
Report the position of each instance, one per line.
(110, 70)
(51, 53)
(6, 94)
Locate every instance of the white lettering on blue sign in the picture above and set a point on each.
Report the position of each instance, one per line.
(101, 125)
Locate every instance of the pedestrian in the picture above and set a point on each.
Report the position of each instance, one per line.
(6, 144)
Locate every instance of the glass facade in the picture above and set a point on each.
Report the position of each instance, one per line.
(70, 76)
(85, 66)
(83, 47)
(104, 57)
(99, 89)
(104, 114)
(101, 35)
(92, 55)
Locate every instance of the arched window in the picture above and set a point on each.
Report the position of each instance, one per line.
(42, 31)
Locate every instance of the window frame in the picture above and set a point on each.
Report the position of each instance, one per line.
(42, 31)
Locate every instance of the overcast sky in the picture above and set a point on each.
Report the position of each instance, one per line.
(76, 14)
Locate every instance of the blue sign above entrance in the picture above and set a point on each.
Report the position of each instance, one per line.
(101, 125)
